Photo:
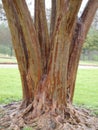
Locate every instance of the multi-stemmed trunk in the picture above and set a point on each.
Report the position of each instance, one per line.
(48, 62)
(80, 32)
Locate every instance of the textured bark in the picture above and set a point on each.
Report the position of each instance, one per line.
(74, 56)
(18, 44)
(60, 54)
(53, 16)
(81, 29)
(42, 31)
(48, 64)
(30, 68)
(32, 44)
(88, 14)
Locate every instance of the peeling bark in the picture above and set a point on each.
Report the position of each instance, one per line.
(48, 64)
(60, 54)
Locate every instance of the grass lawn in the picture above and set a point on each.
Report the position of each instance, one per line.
(10, 85)
(86, 92)
(8, 60)
(88, 62)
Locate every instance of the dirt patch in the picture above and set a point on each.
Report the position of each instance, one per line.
(73, 119)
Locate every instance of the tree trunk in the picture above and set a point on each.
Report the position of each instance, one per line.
(48, 63)
(81, 29)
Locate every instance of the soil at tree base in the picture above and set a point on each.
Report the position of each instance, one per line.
(74, 119)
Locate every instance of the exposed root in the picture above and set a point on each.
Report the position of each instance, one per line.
(14, 118)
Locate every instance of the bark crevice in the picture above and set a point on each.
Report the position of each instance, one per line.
(48, 64)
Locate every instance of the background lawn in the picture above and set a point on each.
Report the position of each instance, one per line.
(86, 92)
(94, 63)
(88, 62)
(8, 60)
(10, 85)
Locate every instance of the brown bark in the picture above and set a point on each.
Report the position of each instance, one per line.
(32, 44)
(48, 66)
(60, 53)
(42, 31)
(74, 56)
(30, 71)
(53, 16)
(35, 55)
(18, 44)
(88, 15)
(81, 29)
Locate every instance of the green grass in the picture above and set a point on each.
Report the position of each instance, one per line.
(27, 128)
(86, 92)
(10, 85)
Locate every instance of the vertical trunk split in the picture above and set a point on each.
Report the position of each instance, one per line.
(48, 64)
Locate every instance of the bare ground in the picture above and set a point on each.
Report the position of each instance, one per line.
(11, 118)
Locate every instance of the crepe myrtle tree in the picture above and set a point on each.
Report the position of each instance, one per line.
(48, 59)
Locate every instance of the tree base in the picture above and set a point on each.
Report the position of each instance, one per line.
(14, 118)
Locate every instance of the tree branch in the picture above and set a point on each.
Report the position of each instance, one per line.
(53, 16)
(74, 56)
(42, 31)
(81, 29)
(18, 44)
(62, 32)
(66, 15)
(34, 70)
(88, 14)
(32, 43)
(36, 16)
(73, 8)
